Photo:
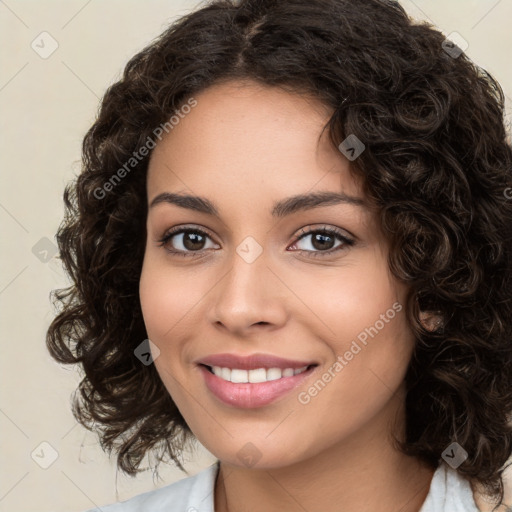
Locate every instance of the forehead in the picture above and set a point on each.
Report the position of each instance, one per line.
(248, 141)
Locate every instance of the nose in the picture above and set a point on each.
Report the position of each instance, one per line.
(249, 297)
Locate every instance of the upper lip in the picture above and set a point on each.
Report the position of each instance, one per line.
(252, 361)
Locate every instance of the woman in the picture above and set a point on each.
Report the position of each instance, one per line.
(291, 239)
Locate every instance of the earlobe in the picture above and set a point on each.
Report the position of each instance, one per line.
(431, 320)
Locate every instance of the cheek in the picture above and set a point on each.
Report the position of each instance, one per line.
(165, 304)
(170, 298)
(350, 298)
(166, 297)
(158, 302)
(362, 319)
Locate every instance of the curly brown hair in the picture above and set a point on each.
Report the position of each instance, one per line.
(437, 166)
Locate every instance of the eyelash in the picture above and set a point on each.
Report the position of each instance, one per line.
(347, 242)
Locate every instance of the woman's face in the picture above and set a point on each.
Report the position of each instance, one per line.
(262, 277)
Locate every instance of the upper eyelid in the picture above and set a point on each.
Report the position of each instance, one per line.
(181, 229)
(325, 227)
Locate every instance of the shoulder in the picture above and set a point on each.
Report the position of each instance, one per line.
(449, 492)
(191, 494)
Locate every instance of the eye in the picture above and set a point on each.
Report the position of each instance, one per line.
(322, 241)
(185, 241)
(190, 241)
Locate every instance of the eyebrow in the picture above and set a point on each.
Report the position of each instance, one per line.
(281, 208)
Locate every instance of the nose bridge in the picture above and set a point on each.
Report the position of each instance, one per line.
(248, 293)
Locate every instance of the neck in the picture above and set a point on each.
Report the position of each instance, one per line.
(365, 472)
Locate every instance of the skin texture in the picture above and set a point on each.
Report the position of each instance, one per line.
(245, 146)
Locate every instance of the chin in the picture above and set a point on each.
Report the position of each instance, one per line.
(258, 455)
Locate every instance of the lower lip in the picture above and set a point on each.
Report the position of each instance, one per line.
(250, 395)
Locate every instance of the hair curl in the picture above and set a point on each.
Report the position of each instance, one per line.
(437, 165)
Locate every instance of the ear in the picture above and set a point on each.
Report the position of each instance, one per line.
(431, 320)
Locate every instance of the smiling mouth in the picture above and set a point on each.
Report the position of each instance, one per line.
(257, 375)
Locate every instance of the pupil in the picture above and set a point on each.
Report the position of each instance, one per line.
(193, 241)
(320, 240)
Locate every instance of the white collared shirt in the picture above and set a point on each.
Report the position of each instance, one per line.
(449, 492)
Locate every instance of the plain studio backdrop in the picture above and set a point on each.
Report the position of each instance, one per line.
(49, 94)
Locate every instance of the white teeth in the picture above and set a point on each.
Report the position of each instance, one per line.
(299, 370)
(274, 373)
(225, 373)
(258, 375)
(238, 376)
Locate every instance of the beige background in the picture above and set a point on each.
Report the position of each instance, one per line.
(47, 105)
